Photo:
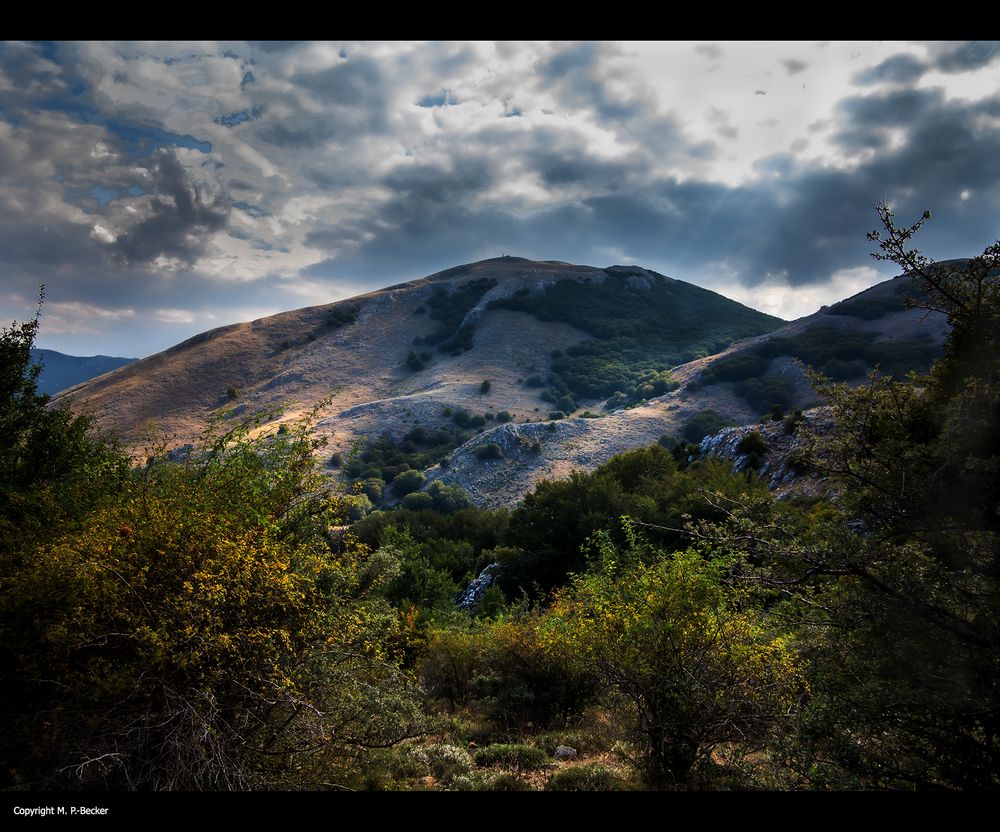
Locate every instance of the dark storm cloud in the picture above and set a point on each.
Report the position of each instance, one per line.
(30, 74)
(276, 47)
(560, 157)
(866, 119)
(579, 77)
(967, 56)
(304, 132)
(794, 222)
(427, 201)
(944, 154)
(349, 100)
(793, 66)
(899, 69)
(179, 218)
(354, 82)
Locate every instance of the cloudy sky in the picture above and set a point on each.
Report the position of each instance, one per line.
(161, 189)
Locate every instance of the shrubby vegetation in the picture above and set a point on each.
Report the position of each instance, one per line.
(212, 624)
(702, 424)
(839, 354)
(630, 348)
(449, 310)
(870, 308)
(341, 316)
(186, 625)
(384, 462)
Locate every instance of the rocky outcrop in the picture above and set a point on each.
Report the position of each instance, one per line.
(779, 460)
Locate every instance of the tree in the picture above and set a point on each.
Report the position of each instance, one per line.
(896, 586)
(690, 659)
(53, 468)
(203, 630)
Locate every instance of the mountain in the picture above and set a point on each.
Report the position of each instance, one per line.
(735, 386)
(417, 376)
(60, 371)
(404, 352)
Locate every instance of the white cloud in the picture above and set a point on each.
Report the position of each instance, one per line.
(776, 296)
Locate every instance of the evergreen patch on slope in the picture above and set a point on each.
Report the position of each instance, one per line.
(840, 354)
(640, 323)
(450, 309)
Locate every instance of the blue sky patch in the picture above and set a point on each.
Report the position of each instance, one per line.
(103, 195)
(142, 140)
(441, 99)
(233, 120)
(252, 210)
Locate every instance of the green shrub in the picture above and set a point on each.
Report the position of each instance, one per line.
(408, 482)
(418, 501)
(504, 416)
(764, 393)
(373, 489)
(444, 761)
(485, 386)
(752, 443)
(566, 404)
(450, 309)
(519, 757)
(506, 782)
(702, 424)
(791, 422)
(490, 451)
(342, 316)
(447, 498)
(590, 778)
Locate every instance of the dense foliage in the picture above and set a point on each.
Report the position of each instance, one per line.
(839, 354)
(630, 349)
(189, 625)
(449, 309)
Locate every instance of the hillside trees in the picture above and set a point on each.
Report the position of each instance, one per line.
(53, 468)
(198, 626)
(896, 588)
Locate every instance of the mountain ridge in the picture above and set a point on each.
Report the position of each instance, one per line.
(507, 339)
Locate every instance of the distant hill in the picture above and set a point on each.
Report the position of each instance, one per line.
(61, 371)
(558, 366)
